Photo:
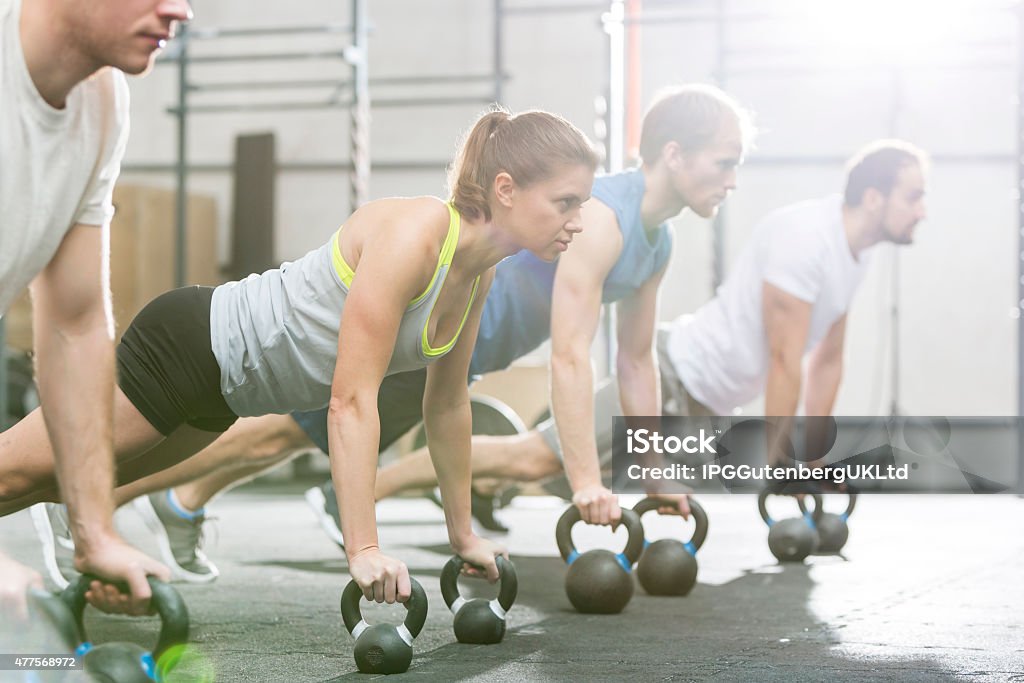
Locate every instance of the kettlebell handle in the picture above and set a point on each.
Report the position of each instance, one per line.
(850, 505)
(762, 506)
(700, 517)
(509, 583)
(630, 520)
(168, 602)
(818, 510)
(416, 607)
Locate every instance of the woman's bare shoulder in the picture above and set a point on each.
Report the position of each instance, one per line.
(402, 228)
(403, 211)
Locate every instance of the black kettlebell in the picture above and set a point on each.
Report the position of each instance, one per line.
(669, 566)
(479, 621)
(383, 648)
(792, 539)
(599, 581)
(128, 662)
(833, 530)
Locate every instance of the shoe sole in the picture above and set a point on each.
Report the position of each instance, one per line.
(44, 530)
(316, 501)
(156, 527)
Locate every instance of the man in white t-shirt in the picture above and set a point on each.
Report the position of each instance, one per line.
(63, 130)
(791, 288)
(786, 297)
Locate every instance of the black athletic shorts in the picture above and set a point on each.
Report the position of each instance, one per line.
(166, 366)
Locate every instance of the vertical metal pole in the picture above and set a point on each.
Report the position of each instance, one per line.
(181, 170)
(359, 113)
(894, 326)
(614, 26)
(894, 406)
(1020, 249)
(3, 372)
(718, 224)
(633, 81)
(603, 105)
(499, 52)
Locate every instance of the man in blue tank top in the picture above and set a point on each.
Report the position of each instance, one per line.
(692, 141)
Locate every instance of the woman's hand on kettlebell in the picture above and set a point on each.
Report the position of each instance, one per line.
(381, 578)
(597, 505)
(479, 552)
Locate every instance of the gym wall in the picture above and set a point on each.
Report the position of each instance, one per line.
(956, 286)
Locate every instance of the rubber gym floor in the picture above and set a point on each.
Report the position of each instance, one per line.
(930, 588)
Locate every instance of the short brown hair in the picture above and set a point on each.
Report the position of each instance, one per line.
(690, 115)
(876, 166)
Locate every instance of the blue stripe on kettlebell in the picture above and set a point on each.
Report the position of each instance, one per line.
(769, 521)
(690, 548)
(810, 520)
(624, 562)
(646, 543)
(82, 649)
(844, 516)
(148, 665)
(572, 557)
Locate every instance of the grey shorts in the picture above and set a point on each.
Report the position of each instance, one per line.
(675, 400)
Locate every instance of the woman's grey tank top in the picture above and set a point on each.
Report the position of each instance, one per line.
(275, 335)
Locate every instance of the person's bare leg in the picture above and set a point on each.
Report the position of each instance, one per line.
(195, 494)
(277, 441)
(521, 457)
(27, 473)
(250, 446)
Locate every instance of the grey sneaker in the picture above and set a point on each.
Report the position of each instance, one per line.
(179, 539)
(325, 506)
(51, 523)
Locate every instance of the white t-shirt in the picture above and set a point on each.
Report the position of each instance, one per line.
(721, 352)
(57, 167)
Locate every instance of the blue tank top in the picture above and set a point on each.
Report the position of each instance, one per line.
(517, 312)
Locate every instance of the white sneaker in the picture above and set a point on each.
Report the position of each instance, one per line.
(330, 523)
(51, 523)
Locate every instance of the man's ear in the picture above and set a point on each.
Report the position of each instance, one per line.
(672, 156)
(504, 189)
(873, 200)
